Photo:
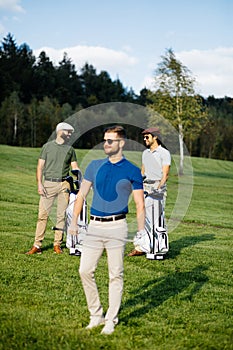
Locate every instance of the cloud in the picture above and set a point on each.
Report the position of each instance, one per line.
(11, 5)
(113, 61)
(213, 70)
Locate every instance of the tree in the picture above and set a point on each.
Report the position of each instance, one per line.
(99, 88)
(45, 76)
(32, 117)
(216, 138)
(16, 69)
(68, 84)
(8, 54)
(48, 115)
(175, 99)
(11, 117)
(89, 83)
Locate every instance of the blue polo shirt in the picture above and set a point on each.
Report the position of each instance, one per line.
(112, 185)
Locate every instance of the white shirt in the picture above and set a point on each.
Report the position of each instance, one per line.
(153, 162)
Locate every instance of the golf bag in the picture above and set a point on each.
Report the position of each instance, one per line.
(74, 242)
(154, 239)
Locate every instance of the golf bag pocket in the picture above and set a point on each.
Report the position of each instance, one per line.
(161, 240)
(73, 240)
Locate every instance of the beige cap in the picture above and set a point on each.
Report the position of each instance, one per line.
(64, 126)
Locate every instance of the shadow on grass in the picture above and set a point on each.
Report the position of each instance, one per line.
(175, 247)
(155, 292)
(48, 246)
(212, 174)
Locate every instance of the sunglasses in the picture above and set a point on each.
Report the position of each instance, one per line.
(110, 141)
(146, 137)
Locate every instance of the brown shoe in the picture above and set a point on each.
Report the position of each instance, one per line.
(136, 253)
(34, 250)
(57, 249)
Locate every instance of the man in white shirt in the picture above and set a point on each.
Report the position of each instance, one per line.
(156, 162)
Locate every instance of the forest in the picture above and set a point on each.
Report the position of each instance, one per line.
(36, 94)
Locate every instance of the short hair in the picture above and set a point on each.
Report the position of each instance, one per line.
(117, 129)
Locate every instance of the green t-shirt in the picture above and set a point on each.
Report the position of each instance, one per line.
(57, 159)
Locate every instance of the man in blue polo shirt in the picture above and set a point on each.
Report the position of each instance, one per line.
(113, 179)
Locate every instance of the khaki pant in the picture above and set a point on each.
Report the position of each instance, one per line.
(110, 236)
(59, 190)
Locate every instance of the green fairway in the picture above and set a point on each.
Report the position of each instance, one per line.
(182, 302)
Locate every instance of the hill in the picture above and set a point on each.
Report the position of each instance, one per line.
(183, 302)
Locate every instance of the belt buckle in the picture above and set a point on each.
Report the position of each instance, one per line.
(111, 218)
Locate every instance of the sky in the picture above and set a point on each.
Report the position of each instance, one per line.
(127, 38)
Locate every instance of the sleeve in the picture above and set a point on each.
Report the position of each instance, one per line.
(143, 157)
(166, 158)
(43, 153)
(89, 174)
(137, 181)
(73, 156)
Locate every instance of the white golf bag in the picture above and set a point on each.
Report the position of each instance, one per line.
(74, 242)
(154, 239)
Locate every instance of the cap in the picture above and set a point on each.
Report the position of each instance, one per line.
(152, 131)
(64, 126)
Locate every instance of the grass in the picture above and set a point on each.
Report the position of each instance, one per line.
(182, 302)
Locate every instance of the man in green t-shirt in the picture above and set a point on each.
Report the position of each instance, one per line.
(54, 162)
